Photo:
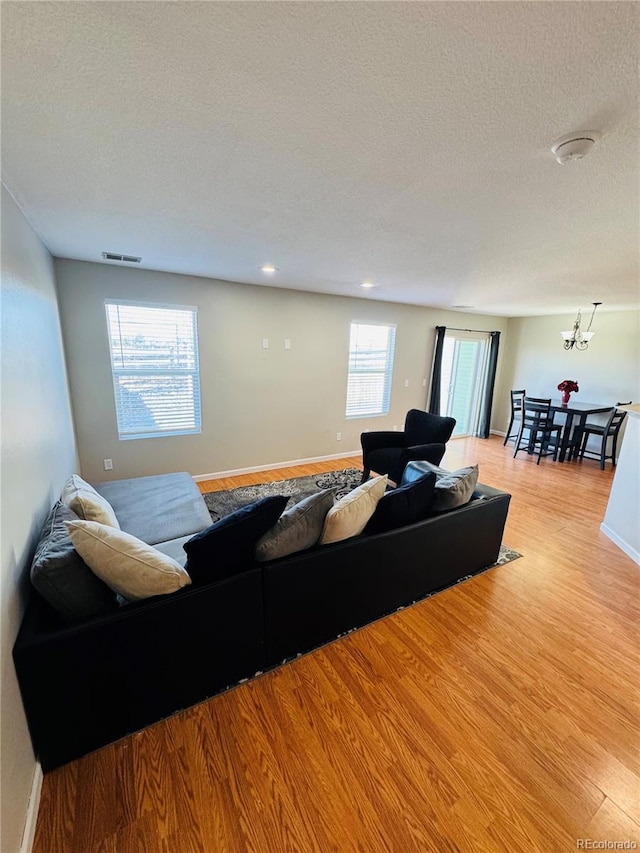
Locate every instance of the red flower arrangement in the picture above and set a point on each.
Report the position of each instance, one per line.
(567, 386)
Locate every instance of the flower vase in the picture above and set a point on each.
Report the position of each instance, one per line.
(566, 396)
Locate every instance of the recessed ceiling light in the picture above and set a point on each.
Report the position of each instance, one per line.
(367, 284)
(269, 268)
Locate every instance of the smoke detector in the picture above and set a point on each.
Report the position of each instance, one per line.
(574, 146)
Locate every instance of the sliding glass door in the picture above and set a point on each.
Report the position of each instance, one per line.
(464, 360)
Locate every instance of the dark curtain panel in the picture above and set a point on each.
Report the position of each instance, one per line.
(484, 424)
(436, 373)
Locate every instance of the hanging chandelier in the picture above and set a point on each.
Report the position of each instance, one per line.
(576, 337)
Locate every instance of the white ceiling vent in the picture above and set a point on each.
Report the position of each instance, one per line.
(114, 256)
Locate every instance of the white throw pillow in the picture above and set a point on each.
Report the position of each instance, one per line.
(83, 499)
(126, 564)
(349, 516)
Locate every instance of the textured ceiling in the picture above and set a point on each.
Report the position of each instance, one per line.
(406, 143)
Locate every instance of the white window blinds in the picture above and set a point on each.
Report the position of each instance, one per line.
(370, 370)
(154, 360)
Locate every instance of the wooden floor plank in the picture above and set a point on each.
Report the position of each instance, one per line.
(498, 715)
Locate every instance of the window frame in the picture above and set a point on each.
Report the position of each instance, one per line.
(387, 372)
(194, 372)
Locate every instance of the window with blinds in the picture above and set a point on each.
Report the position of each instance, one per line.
(154, 360)
(370, 370)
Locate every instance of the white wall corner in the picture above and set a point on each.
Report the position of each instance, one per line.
(629, 550)
(29, 834)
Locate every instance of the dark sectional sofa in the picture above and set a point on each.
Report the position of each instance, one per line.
(86, 685)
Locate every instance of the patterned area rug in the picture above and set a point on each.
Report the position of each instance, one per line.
(220, 504)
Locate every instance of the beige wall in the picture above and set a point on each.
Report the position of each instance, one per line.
(258, 406)
(534, 359)
(38, 453)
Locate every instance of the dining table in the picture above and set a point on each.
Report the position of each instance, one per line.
(576, 413)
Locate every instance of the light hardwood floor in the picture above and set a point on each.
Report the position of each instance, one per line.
(500, 715)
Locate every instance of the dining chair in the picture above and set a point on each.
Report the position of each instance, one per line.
(517, 400)
(537, 423)
(599, 420)
(607, 431)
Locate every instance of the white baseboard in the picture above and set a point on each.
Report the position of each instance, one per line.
(234, 472)
(624, 546)
(29, 834)
(491, 432)
(217, 475)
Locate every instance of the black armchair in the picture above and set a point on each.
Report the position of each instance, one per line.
(424, 437)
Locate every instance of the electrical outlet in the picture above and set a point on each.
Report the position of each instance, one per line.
(338, 436)
(287, 343)
(395, 427)
(424, 383)
(265, 343)
(406, 383)
(108, 464)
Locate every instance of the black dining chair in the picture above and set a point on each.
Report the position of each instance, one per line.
(517, 401)
(605, 432)
(537, 429)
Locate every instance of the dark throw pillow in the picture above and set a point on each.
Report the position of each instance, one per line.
(227, 547)
(404, 505)
(60, 575)
(417, 469)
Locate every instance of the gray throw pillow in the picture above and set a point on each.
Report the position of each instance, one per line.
(297, 528)
(453, 488)
(60, 575)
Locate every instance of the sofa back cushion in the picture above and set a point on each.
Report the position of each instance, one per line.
(404, 505)
(62, 577)
(228, 546)
(350, 515)
(298, 528)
